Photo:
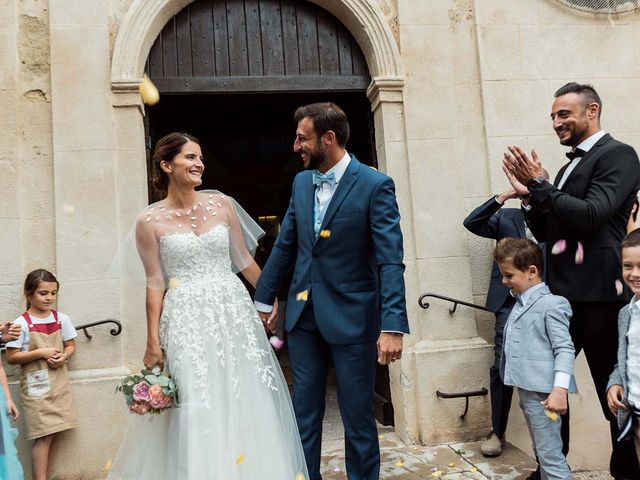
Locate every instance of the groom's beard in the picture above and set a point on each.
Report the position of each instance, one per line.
(316, 158)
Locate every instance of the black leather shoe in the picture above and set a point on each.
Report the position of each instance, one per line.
(535, 475)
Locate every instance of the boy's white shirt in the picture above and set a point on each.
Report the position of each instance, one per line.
(22, 342)
(633, 353)
(561, 379)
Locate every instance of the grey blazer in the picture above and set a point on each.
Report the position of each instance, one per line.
(539, 344)
(619, 374)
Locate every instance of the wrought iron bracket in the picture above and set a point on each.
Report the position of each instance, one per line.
(455, 301)
(477, 393)
(114, 331)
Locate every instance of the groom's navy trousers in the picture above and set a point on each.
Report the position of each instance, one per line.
(311, 356)
(347, 286)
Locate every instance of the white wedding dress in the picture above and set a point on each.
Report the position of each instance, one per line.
(234, 420)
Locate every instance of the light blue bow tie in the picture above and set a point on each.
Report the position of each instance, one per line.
(320, 178)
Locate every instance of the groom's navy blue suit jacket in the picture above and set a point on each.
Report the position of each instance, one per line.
(354, 275)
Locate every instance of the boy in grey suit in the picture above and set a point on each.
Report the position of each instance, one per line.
(623, 390)
(538, 354)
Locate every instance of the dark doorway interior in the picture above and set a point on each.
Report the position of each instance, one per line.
(247, 140)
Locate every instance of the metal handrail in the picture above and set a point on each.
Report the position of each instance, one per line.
(455, 302)
(476, 393)
(115, 331)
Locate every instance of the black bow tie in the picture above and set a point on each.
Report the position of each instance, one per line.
(578, 152)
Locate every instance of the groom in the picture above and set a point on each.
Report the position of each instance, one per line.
(342, 230)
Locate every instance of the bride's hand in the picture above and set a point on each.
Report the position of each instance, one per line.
(153, 357)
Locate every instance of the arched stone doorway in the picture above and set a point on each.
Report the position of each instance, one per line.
(143, 23)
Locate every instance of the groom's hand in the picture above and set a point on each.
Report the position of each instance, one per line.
(389, 348)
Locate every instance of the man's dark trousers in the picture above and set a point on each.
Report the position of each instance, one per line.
(354, 365)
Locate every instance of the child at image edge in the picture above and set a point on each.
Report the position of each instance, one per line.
(538, 354)
(623, 390)
(10, 468)
(43, 348)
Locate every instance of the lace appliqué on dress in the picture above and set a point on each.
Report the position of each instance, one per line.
(208, 307)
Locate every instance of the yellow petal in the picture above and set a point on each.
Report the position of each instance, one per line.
(174, 282)
(148, 91)
(108, 465)
(399, 464)
(325, 233)
(302, 296)
(452, 465)
(437, 473)
(552, 415)
(300, 476)
(240, 459)
(381, 437)
(473, 469)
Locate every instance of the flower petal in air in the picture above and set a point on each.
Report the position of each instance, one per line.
(69, 209)
(559, 247)
(300, 476)
(552, 415)
(473, 469)
(399, 464)
(276, 342)
(240, 459)
(108, 465)
(148, 91)
(619, 288)
(325, 233)
(174, 282)
(579, 254)
(302, 296)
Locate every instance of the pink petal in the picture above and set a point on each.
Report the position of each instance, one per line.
(276, 342)
(579, 254)
(619, 288)
(559, 247)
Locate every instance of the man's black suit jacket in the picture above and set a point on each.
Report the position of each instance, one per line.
(490, 220)
(592, 207)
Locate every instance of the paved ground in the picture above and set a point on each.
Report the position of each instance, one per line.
(450, 462)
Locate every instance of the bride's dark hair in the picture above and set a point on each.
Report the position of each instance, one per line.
(166, 149)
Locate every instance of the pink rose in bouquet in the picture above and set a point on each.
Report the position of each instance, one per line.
(141, 392)
(138, 408)
(158, 399)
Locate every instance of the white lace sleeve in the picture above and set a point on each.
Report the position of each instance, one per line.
(149, 252)
(244, 234)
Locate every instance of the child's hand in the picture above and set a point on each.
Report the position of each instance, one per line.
(56, 361)
(557, 401)
(614, 395)
(12, 409)
(9, 332)
(48, 352)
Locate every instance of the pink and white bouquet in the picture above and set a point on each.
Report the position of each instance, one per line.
(149, 392)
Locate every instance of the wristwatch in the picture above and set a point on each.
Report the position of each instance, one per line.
(535, 182)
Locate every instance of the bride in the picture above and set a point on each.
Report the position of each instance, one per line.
(234, 419)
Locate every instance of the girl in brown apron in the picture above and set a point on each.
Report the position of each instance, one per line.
(47, 400)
